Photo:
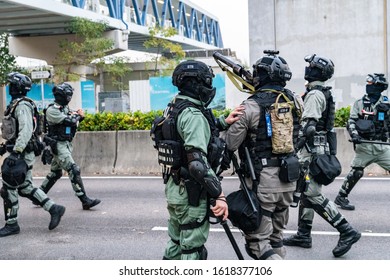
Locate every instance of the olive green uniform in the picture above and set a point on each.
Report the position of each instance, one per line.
(314, 105)
(194, 129)
(24, 115)
(366, 153)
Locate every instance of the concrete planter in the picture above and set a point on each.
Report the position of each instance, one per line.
(132, 153)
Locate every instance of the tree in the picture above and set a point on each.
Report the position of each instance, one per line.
(7, 60)
(158, 35)
(88, 48)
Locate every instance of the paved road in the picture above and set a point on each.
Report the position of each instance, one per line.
(130, 224)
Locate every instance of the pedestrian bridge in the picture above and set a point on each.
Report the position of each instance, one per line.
(196, 28)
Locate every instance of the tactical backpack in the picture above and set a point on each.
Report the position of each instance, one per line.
(171, 153)
(279, 121)
(10, 126)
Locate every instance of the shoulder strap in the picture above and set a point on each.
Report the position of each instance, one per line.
(180, 105)
(11, 107)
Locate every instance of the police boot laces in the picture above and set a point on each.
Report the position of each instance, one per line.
(300, 240)
(343, 202)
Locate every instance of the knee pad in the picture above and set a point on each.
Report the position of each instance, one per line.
(75, 169)
(357, 173)
(76, 177)
(352, 178)
(56, 174)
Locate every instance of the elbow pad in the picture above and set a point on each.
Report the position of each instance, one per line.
(310, 128)
(198, 170)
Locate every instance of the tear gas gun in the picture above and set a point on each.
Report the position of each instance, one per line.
(236, 73)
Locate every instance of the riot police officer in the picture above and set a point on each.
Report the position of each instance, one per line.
(317, 129)
(18, 127)
(258, 132)
(368, 121)
(190, 151)
(62, 124)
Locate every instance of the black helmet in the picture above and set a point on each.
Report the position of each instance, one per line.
(376, 83)
(194, 79)
(63, 93)
(320, 68)
(19, 84)
(377, 79)
(271, 68)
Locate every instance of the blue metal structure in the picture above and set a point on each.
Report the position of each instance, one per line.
(131, 19)
(188, 20)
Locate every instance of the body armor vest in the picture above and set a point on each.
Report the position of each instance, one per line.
(326, 122)
(261, 150)
(170, 146)
(64, 131)
(373, 122)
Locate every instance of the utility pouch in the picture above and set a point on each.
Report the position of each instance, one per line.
(169, 153)
(52, 143)
(215, 152)
(365, 128)
(37, 147)
(241, 212)
(282, 125)
(324, 168)
(156, 130)
(14, 172)
(289, 169)
(194, 191)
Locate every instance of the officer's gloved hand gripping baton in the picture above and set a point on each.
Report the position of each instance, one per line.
(228, 233)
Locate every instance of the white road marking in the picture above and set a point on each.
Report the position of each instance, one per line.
(368, 234)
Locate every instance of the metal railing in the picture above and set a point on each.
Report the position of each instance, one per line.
(190, 21)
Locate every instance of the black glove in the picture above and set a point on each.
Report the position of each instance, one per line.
(47, 156)
(356, 139)
(13, 157)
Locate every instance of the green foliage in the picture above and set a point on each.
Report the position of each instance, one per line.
(137, 120)
(158, 40)
(7, 60)
(87, 48)
(218, 113)
(107, 121)
(342, 116)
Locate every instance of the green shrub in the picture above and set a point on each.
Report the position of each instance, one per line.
(342, 116)
(137, 120)
(107, 121)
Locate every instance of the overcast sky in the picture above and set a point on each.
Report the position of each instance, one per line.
(233, 22)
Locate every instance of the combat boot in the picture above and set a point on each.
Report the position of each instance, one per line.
(348, 236)
(301, 239)
(88, 203)
(56, 212)
(343, 202)
(9, 229)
